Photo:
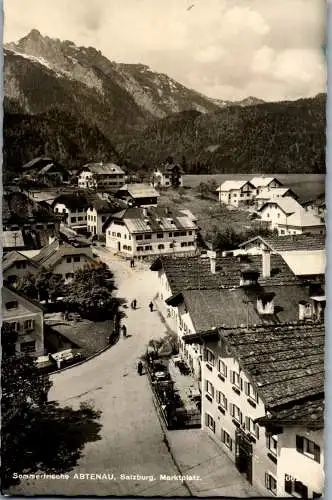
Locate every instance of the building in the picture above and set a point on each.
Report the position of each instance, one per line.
(169, 175)
(140, 232)
(316, 206)
(16, 266)
(289, 217)
(12, 240)
(262, 401)
(35, 221)
(27, 318)
(304, 253)
(64, 259)
(101, 176)
(139, 195)
(99, 211)
(236, 193)
(263, 183)
(228, 291)
(267, 194)
(72, 208)
(46, 170)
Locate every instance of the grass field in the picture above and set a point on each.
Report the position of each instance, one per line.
(306, 186)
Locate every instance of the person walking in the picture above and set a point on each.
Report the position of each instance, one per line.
(134, 304)
(124, 330)
(132, 263)
(139, 367)
(151, 306)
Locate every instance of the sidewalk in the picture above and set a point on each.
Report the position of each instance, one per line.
(196, 454)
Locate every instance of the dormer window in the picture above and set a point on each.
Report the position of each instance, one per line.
(265, 303)
(305, 310)
(249, 277)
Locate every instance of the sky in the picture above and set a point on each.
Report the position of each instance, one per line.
(226, 49)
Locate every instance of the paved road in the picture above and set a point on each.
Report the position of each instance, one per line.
(131, 437)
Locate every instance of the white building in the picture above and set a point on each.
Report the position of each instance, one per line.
(27, 318)
(99, 211)
(138, 195)
(265, 183)
(140, 232)
(169, 175)
(241, 389)
(235, 192)
(73, 208)
(268, 194)
(101, 176)
(64, 259)
(289, 217)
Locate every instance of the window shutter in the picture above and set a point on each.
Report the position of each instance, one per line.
(299, 444)
(257, 431)
(247, 423)
(231, 408)
(225, 403)
(218, 396)
(241, 384)
(241, 417)
(230, 444)
(317, 453)
(206, 419)
(246, 388)
(212, 391)
(231, 375)
(206, 385)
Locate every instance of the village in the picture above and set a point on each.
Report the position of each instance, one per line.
(114, 290)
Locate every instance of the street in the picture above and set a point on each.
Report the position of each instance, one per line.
(131, 436)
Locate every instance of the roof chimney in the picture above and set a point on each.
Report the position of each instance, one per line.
(213, 259)
(266, 262)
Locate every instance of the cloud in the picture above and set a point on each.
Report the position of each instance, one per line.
(224, 48)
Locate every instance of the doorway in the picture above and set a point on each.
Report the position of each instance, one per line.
(243, 454)
(119, 246)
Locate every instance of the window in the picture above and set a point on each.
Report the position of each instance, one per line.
(209, 388)
(13, 304)
(170, 235)
(103, 218)
(282, 231)
(221, 399)
(69, 276)
(68, 259)
(148, 247)
(161, 247)
(235, 412)
(308, 448)
(295, 488)
(222, 368)
(77, 258)
(80, 218)
(209, 422)
(184, 244)
(270, 483)
(160, 235)
(28, 324)
(226, 439)
(113, 233)
(28, 346)
(236, 379)
(128, 248)
(250, 391)
(72, 219)
(118, 235)
(171, 245)
(190, 233)
(148, 236)
(139, 236)
(16, 326)
(139, 249)
(252, 427)
(210, 358)
(272, 443)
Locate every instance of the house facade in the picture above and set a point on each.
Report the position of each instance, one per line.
(241, 389)
(99, 211)
(140, 232)
(73, 209)
(16, 266)
(27, 318)
(236, 193)
(101, 176)
(267, 194)
(169, 175)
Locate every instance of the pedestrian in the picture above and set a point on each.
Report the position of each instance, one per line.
(134, 304)
(140, 367)
(124, 330)
(132, 263)
(151, 306)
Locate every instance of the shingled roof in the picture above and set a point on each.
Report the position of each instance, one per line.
(18, 206)
(309, 414)
(193, 273)
(290, 242)
(51, 254)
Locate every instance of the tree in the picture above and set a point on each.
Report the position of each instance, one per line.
(46, 285)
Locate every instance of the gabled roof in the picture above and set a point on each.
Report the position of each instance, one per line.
(11, 257)
(304, 219)
(102, 168)
(308, 414)
(153, 219)
(290, 243)
(41, 160)
(305, 263)
(286, 362)
(18, 293)
(73, 201)
(139, 190)
(19, 206)
(12, 239)
(288, 205)
(106, 205)
(193, 273)
(234, 184)
(263, 181)
(267, 194)
(50, 255)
